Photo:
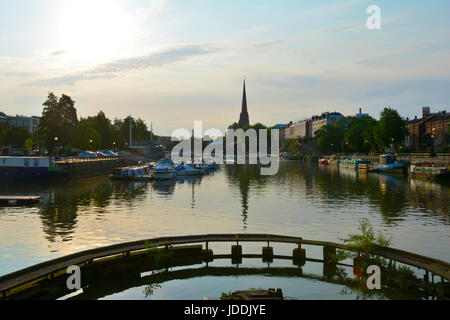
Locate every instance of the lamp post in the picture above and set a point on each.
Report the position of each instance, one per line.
(56, 145)
(432, 143)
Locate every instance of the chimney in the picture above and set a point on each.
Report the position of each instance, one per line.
(425, 111)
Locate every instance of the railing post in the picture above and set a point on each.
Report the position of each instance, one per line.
(329, 264)
(236, 252)
(299, 255)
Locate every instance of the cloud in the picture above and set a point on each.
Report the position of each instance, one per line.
(57, 53)
(113, 68)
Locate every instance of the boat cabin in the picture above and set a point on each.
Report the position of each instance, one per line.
(388, 158)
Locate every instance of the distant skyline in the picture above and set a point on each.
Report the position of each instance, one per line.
(172, 62)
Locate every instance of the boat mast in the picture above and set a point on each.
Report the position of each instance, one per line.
(130, 131)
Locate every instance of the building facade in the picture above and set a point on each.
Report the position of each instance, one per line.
(429, 133)
(29, 123)
(325, 118)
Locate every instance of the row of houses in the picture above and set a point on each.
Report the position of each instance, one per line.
(29, 123)
(307, 127)
(430, 132)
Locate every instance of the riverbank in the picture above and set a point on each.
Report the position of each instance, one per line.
(438, 159)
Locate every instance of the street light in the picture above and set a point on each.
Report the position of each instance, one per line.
(56, 145)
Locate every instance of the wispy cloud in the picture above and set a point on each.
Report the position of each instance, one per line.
(114, 68)
(57, 53)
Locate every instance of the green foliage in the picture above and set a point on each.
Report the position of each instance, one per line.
(391, 129)
(225, 295)
(291, 145)
(29, 144)
(16, 137)
(159, 255)
(359, 136)
(2, 135)
(330, 137)
(103, 126)
(361, 246)
(59, 119)
(86, 137)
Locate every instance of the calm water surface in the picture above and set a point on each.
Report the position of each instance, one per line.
(301, 200)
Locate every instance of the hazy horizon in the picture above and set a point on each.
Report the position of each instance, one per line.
(173, 62)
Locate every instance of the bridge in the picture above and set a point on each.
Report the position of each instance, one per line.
(20, 280)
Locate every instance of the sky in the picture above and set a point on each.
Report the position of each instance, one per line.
(171, 62)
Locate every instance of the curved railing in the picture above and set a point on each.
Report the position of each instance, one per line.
(48, 268)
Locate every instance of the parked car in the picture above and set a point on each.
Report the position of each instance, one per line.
(35, 153)
(108, 153)
(101, 155)
(88, 154)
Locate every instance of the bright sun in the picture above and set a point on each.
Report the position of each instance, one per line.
(94, 30)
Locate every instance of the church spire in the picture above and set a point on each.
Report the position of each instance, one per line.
(243, 118)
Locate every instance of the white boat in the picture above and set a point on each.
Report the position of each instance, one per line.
(164, 170)
(187, 170)
(142, 172)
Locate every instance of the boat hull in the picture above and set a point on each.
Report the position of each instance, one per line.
(31, 173)
(164, 175)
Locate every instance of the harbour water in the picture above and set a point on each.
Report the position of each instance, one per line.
(304, 200)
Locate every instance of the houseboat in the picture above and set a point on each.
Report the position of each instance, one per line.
(29, 168)
(137, 173)
(353, 164)
(389, 164)
(164, 170)
(428, 171)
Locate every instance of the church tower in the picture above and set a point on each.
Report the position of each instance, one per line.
(243, 118)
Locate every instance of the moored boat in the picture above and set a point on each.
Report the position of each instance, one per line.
(30, 168)
(137, 173)
(187, 170)
(333, 161)
(389, 164)
(164, 170)
(354, 163)
(323, 161)
(428, 171)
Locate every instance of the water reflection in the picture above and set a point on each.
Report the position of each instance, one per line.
(164, 188)
(245, 176)
(302, 196)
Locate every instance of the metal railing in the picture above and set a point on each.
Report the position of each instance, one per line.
(27, 275)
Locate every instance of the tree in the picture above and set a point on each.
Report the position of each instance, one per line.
(104, 128)
(359, 136)
(59, 120)
(16, 137)
(391, 129)
(29, 144)
(2, 135)
(86, 138)
(330, 137)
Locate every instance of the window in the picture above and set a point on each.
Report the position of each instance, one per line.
(26, 162)
(36, 163)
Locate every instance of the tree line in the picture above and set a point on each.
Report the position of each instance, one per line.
(60, 129)
(364, 134)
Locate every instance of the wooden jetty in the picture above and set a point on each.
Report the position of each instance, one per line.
(14, 282)
(18, 200)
